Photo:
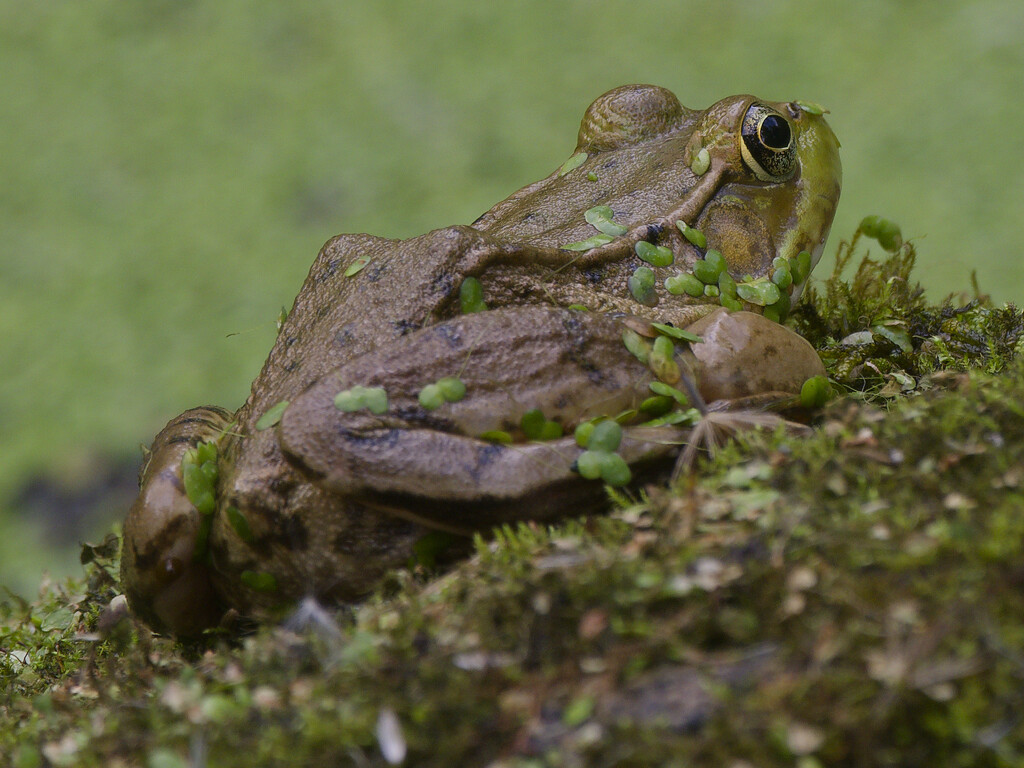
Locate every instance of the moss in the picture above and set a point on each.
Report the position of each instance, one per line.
(852, 598)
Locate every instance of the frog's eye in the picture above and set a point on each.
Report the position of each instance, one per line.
(767, 143)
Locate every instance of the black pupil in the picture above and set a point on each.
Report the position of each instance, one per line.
(774, 132)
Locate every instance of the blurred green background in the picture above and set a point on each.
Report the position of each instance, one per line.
(169, 169)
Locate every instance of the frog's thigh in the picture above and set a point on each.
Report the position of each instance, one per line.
(431, 465)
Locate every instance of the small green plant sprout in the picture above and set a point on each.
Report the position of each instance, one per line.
(600, 217)
(447, 390)
(199, 475)
(272, 416)
(537, 427)
(373, 399)
(471, 296)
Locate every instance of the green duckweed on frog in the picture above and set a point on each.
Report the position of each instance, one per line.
(453, 381)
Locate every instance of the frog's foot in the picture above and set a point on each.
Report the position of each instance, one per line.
(164, 577)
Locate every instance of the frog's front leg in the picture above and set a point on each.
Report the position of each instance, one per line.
(431, 464)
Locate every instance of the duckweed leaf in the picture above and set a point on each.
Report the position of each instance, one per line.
(655, 255)
(609, 466)
(607, 436)
(812, 108)
(589, 465)
(731, 303)
(272, 416)
(641, 285)
(373, 399)
(583, 433)
(682, 283)
(600, 216)
(471, 296)
(357, 265)
(496, 436)
(658, 405)
(690, 416)
(760, 292)
(637, 345)
(692, 234)
(431, 397)
(591, 242)
(701, 162)
(708, 271)
(573, 163)
(240, 524)
(663, 389)
(677, 333)
(453, 389)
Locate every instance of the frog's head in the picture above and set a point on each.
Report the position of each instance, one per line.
(163, 571)
(760, 180)
(780, 181)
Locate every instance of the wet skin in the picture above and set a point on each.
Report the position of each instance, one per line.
(327, 501)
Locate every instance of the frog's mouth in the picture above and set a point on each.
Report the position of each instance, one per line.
(164, 576)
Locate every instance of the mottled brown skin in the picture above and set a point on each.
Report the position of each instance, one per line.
(334, 500)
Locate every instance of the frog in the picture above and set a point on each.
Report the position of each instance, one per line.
(337, 467)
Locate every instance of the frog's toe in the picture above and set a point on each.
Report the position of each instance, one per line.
(165, 578)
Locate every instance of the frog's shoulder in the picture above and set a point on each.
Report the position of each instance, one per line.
(629, 115)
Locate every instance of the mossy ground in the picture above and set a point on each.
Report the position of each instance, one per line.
(855, 598)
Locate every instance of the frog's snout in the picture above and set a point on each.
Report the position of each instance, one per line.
(165, 577)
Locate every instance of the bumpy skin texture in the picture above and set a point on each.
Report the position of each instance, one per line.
(333, 500)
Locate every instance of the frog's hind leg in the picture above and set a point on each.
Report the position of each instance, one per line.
(374, 431)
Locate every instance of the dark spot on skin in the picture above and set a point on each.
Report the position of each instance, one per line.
(595, 276)
(770, 351)
(290, 340)
(156, 546)
(373, 274)
(344, 336)
(443, 283)
(405, 326)
(292, 366)
(450, 333)
(330, 268)
(610, 164)
(653, 231)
